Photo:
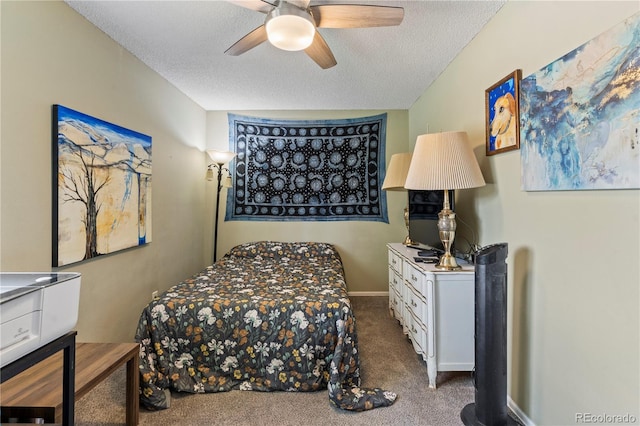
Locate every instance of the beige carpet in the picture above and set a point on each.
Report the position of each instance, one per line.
(387, 361)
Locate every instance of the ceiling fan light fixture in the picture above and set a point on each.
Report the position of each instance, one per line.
(290, 28)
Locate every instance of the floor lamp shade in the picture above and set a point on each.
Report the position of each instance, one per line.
(444, 161)
(220, 157)
(394, 181)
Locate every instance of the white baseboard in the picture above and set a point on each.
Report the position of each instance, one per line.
(369, 293)
(526, 421)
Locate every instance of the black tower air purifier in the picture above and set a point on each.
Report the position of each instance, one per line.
(490, 379)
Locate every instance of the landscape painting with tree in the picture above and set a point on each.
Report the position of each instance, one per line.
(101, 187)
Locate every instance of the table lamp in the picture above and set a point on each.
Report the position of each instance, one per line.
(443, 161)
(394, 181)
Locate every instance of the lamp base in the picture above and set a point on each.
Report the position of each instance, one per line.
(447, 232)
(409, 242)
(448, 263)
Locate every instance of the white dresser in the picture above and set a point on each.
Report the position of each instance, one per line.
(435, 308)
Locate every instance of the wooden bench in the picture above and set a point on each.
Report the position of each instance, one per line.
(37, 391)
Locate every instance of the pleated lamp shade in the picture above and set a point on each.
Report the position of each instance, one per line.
(397, 172)
(443, 161)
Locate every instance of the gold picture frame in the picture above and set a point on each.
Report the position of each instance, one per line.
(502, 109)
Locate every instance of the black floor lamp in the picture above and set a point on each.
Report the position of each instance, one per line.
(220, 158)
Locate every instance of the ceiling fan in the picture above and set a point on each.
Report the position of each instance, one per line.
(292, 25)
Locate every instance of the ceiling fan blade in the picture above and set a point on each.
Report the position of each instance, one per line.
(257, 5)
(356, 15)
(251, 40)
(319, 51)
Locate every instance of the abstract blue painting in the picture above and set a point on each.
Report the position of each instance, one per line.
(580, 116)
(101, 187)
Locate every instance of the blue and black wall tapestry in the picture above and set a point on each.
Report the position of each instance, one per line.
(322, 170)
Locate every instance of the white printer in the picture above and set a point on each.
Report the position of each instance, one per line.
(35, 309)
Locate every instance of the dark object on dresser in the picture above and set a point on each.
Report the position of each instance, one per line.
(490, 379)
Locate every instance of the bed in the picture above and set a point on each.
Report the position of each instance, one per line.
(267, 316)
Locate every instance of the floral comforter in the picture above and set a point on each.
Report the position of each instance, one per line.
(267, 316)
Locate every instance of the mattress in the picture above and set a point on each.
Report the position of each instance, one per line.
(267, 316)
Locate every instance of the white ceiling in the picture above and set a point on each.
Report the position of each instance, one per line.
(378, 68)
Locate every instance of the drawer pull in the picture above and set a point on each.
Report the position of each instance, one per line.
(413, 329)
(413, 277)
(414, 304)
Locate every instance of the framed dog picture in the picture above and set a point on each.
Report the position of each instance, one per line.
(503, 114)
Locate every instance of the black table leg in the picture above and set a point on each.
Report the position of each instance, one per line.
(68, 384)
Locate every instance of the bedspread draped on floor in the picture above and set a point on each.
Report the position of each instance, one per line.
(267, 316)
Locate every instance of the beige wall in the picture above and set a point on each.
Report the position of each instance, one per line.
(362, 245)
(573, 275)
(574, 255)
(51, 55)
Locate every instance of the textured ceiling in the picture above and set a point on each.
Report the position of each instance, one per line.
(378, 68)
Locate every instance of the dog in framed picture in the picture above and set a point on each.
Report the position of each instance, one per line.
(503, 125)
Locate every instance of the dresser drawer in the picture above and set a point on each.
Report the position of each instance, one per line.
(395, 279)
(395, 262)
(417, 304)
(392, 297)
(406, 310)
(398, 306)
(418, 334)
(416, 279)
(394, 286)
(395, 301)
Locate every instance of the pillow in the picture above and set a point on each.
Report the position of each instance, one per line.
(278, 250)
